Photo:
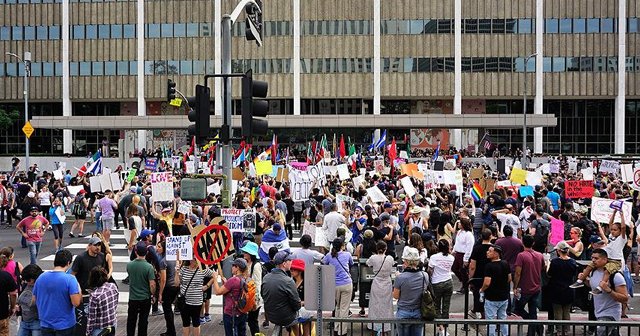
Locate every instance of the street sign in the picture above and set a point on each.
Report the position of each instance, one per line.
(177, 102)
(28, 129)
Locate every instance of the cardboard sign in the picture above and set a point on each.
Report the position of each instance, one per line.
(131, 174)
(282, 174)
(116, 183)
(488, 185)
(601, 212)
(234, 218)
(578, 189)
(214, 189)
(343, 172)
(184, 208)
(635, 183)
(74, 190)
(358, 181)
(94, 184)
(626, 170)
(237, 174)
(179, 248)
(162, 186)
(476, 173)
(409, 189)
(376, 194)
(105, 182)
(301, 182)
(611, 167)
(320, 238)
(518, 176)
(587, 174)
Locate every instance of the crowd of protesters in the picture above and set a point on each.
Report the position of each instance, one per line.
(497, 247)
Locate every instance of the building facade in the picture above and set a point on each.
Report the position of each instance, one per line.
(97, 58)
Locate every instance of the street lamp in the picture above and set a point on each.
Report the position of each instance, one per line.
(27, 71)
(524, 113)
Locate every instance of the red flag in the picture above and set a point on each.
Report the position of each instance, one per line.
(343, 151)
(393, 151)
(189, 152)
(274, 149)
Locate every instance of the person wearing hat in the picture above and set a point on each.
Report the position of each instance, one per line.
(235, 322)
(142, 285)
(416, 220)
(495, 290)
(85, 262)
(342, 261)
(297, 273)
(250, 254)
(32, 229)
(280, 294)
(409, 281)
(561, 271)
(166, 214)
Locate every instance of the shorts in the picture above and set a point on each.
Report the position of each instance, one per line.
(206, 295)
(634, 254)
(108, 223)
(611, 266)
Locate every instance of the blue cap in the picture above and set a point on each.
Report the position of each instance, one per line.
(145, 233)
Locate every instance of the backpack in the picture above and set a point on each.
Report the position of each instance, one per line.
(78, 207)
(247, 299)
(427, 302)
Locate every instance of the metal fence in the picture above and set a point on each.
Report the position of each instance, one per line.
(473, 327)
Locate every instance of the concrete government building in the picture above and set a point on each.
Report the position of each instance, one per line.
(445, 70)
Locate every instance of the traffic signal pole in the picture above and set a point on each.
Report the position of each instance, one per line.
(227, 129)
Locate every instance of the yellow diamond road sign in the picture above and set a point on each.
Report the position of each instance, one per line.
(28, 129)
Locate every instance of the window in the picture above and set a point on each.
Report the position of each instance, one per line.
(54, 32)
(607, 25)
(470, 26)
(586, 63)
(78, 32)
(109, 68)
(97, 68)
(484, 26)
(205, 29)
(559, 64)
(198, 67)
(104, 31)
(612, 64)
(149, 67)
(12, 69)
(599, 64)
(173, 68)
(633, 25)
(5, 33)
(510, 26)
(129, 31)
(85, 68)
(579, 26)
(186, 68)
(573, 63)
(58, 69)
(403, 27)
(42, 33)
(153, 30)
(546, 64)
(525, 26)
(179, 30)
(551, 26)
(29, 33)
(166, 30)
(91, 32)
(416, 26)
(565, 26)
(47, 69)
(16, 33)
(192, 29)
(498, 26)
(593, 25)
(36, 69)
(122, 68)
(133, 68)
(116, 31)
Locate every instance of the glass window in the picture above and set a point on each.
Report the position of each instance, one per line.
(633, 25)
(104, 31)
(586, 63)
(209, 67)
(404, 27)
(484, 26)
(129, 31)
(29, 33)
(109, 68)
(2, 73)
(5, 33)
(166, 30)
(519, 64)
(593, 25)
(510, 26)
(186, 68)
(91, 32)
(430, 27)
(153, 30)
(97, 68)
(133, 68)
(47, 69)
(42, 33)
(546, 64)
(607, 25)
(505, 64)
(565, 26)
(205, 29)
(525, 26)
(573, 63)
(17, 33)
(36, 69)
(192, 30)
(12, 69)
(559, 64)
(74, 68)
(551, 26)
(116, 31)
(173, 68)
(122, 68)
(498, 26)
(78, 32)
(179, 30)
(579, 26)
(612, 64)
(198, 67)
(470, 26)
(149, 67)
(445, 26)
(85, 68)
(629, 64)
(54, 32)
(58, 68)
(599, 64)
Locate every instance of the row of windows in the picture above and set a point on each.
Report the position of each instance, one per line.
(331, 27)
(326, 65)
(54, 1)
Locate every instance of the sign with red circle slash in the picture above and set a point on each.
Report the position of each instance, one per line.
(212, 243)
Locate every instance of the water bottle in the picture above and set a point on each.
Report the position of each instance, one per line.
(481, 297)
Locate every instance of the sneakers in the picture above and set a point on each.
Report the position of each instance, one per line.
(596, 291)
(125, 280)
(157, 312)
(203, 320)
(362, 313)
(71, 235)
(207, 318)
(577, 284)
(265, 324)
(80, 235)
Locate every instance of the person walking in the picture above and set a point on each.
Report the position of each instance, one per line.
(79, 208)
(462, 249)
(85, 262)
(191, 288)
(30, 322)
(342, 261)
(440, 270)
(411, 281)
(56, 213)
(527, 283)
(33, 228)
(250, 254)
(561, 273)
(608, 304)
(8, 296)
(108, 208)
(235, 322)
(45, 198)
(142, 284)
(381, 294)
(168, 287)
(495, 289)
(103, 303)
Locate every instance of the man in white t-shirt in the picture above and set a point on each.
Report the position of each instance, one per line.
(332, 221)
(506, 217)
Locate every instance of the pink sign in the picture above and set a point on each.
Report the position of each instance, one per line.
(557, 231)
(299, 165)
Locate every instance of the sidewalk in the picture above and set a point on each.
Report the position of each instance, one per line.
(157, 325)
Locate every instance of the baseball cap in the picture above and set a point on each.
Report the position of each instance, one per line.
(240, 263)
(385, 216)
(141, 249)
(145, 233)
(277, 227)
(281, 257)
(596, 240)
(31, 194)
(388, 205)
(562, 245)
(94, 241)
(34, 208)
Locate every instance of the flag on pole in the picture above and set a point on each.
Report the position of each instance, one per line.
(274, 149)
(322, 148)
(343, 151)
(352, 147)
(476, 192)
(382, 141)
(334, 147)
(309, 153)
(436, 154)
(486, 142)
(93, 165)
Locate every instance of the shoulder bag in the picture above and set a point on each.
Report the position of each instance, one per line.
(181, 301)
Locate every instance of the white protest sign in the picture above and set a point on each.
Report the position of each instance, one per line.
(505, 183)
(233, 217)
(587, 174)
(162, 186)
(546, 168)
(554, 168)
(626, 170)
(635, 183)
(106, 171)
(94, 183)
(376, 194)
(449, 177)
(358, 181)
(190, 167)
(330, 170)
(184, 208)
(301, 182)
(213, 189)
(423, 167)
(573, 167)
(611, 167)
(105, 182)
(363, 171)
(459, 180)
(180, 244)
(341, 200)
(601, 212)
(409, 189)
(534, 178)
(74, 190)
(309, 229)
(58, 174)
(321, 237)
(116, 183)
(343, 172)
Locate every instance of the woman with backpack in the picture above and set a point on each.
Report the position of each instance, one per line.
(57, 223)
(235, 321)
(79, 210)
(250, 255)
(407, 289)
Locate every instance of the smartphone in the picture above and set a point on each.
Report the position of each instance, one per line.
(400, 268)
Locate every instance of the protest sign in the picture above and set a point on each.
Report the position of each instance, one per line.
(611, 167)
(409, 189)
(557, 231)
(162, 186)
(587, 174)
(58, 174)
(131, 174)
(213, 242)
(438, 165)
(249, 220)
(626, 170)
(74, 190)
(404, 155)
(105, 182)
(263, 167)
(301, 182)
(378, 165)
(282, 175)
(234, 219)
(343, 172)
(554, 168)
(526, 191)
(578, 189)
(213, 189)
(94, 184)
(635, 183)
(601, 212)
(343, 202)
(116, 183)
(309, 228)
(476, 173)
(150, 164)
(518, 176)
(534, 178)
(358, 181)
(376, 194)
(321, 237)
(190, 167)
(184, 208)
(179, 248)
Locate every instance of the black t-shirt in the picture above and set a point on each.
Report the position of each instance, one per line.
(391, 244)
(7, 285)
(479, 254)
(82, 266)
(499, 272)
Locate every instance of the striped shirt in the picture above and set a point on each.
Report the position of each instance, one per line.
(193, 294)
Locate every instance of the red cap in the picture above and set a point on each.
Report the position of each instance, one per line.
(297, 264)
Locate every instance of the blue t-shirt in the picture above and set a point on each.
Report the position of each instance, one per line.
(554, 197)
(53, 291)
(342, 263)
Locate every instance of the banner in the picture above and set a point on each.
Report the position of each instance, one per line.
(180, 244)
(234, 219)
(601, 212)
(611, 167)
(162, 186)
(578, 189)
(301, 182)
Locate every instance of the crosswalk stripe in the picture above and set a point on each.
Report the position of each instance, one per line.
(84, 246)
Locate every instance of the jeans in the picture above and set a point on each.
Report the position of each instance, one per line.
(95, 332)
(138, 311)
(252, 321)
(409, 329)
(168, 295)
(442, 292)
(605, 330)
(31, 328)
(34, 249)
(496, 310)
(63, 332)
(532, 301)
(239, 323)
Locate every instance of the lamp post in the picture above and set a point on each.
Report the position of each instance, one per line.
(524, 113)
(27, 71)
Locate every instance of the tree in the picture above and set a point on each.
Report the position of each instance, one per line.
(7, 118)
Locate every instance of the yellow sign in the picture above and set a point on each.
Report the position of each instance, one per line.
(518, 175)
(28, 129)
(264, 167)
(175, 102)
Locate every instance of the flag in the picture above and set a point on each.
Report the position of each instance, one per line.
(274, 149)
(486, 142)
(373, 142)
(393, 151)
(352, 147)
(309, 153)
(240, 158)
(343, 151)
(264, 156)
(321, 148)
(476, 192)
(334, 147)
(382, 141)
(93, 165)
(436, 154)
(407, 140)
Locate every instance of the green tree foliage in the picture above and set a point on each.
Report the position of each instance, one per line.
(7, 118)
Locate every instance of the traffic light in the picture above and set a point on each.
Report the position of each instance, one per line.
(254, 111)
(171, 90)
(253, 23)
(199, 113)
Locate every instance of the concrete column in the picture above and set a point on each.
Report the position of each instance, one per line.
(142, 105)
(539, 84)
(619, 121)
(217, 52)
(376, 56)
(295, 62)
(67, 135)
(456, 138)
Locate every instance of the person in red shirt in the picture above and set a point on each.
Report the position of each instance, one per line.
(32, 228)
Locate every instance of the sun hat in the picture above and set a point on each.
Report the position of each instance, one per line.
(250, 248)
(410, 254)
(297, 265)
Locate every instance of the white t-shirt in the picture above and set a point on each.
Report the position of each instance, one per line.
(511, 220)
(615, 247)
(441, 266)
(45, 198)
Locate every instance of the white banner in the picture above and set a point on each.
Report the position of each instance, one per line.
(626, 170)
(233, 217)
(343, 172)
(601, 212)
(180, 244)
(301, 182)
(610, 167)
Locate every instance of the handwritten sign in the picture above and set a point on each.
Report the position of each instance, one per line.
(601, 212)
(131, 175)
(162, 186)
(302, 181)
(376, 194)
(518, 176)
(409, 189)
(611, 167)
(476, 173)
(526, 191)
(343, 172)
(578, 189)
(378, 165)
(179, 248)
(233, 217)
(264, 167)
